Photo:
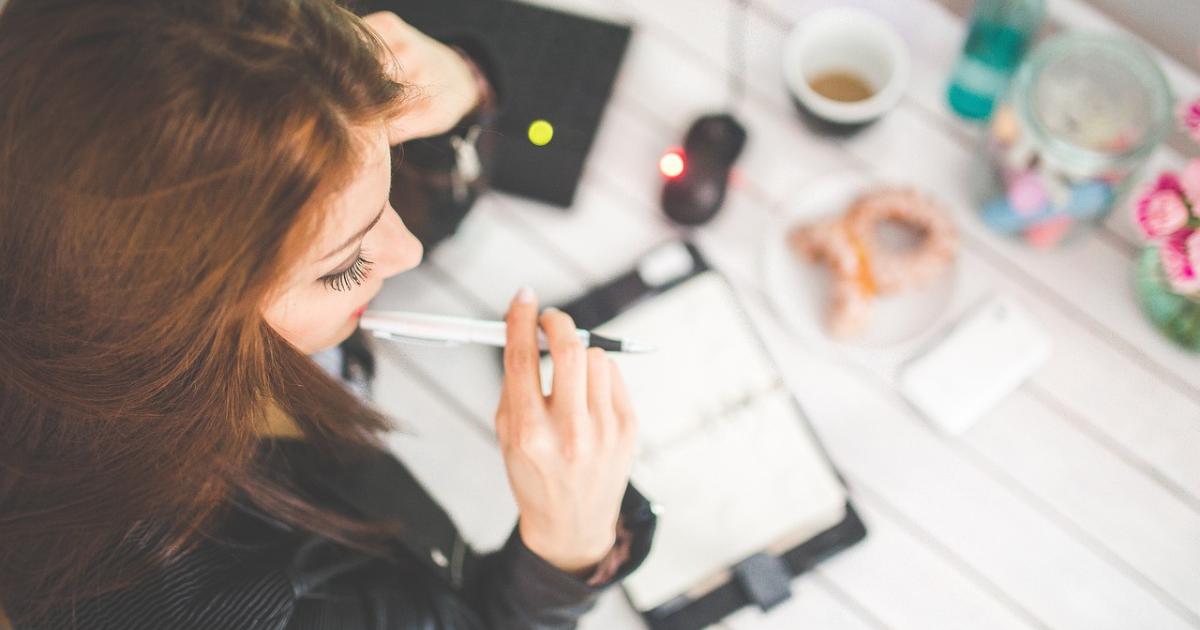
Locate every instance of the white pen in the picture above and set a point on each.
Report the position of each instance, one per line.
(444, 330)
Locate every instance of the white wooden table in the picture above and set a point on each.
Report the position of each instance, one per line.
(1074, 505)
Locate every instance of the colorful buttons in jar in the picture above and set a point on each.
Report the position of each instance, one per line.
(1084, 113)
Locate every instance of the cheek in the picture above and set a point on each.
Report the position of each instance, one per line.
(310, 321)
(313, 318)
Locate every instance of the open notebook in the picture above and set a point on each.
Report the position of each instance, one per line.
(724, 448)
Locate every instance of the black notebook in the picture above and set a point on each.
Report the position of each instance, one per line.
(748, 497)
(548, 65)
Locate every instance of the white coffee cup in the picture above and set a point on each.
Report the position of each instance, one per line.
(852, 41)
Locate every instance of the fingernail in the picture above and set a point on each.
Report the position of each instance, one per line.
(525, 295)
(550, 309)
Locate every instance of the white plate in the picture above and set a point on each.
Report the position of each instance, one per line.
(799, 291)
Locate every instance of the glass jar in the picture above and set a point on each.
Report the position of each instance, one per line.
(1175, 314)
(1084, 112)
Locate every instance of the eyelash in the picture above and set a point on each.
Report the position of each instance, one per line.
(354, 274)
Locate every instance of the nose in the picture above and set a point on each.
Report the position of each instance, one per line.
(399, 250)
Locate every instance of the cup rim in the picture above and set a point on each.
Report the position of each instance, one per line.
(840, 111)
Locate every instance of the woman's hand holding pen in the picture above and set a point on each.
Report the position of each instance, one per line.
(444, 84)
(568, 454)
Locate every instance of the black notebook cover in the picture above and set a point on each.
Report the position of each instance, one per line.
(546, 65)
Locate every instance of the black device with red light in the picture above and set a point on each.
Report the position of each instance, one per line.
(671, 164)
(698, 175)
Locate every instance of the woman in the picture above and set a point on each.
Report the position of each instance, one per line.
(193, 197)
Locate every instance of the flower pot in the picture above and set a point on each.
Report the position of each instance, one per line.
(1176, 315)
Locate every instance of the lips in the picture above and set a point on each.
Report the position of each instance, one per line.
(357, 314)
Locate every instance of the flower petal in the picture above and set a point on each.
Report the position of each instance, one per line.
(1160, 213)
(1177, 264)
(1191, 246)
(1189, 180)
(1168, 181)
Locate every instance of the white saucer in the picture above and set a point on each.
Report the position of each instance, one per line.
(799, 291)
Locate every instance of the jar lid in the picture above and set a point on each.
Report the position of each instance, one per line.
(1095, 101)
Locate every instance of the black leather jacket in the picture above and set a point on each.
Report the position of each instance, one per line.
(264, 575)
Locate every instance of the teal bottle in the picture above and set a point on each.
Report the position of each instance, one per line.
(1000, 33)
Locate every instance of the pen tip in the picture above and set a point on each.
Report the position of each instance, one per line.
(636, 347)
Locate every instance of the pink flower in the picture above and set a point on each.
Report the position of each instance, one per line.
(1179, 263)
(1168, 181)
(1161, 212)
(1189, 115)
(1191, 245)
(1189, 181)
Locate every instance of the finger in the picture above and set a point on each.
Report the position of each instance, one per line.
(398, 38)
(569, 389)
(389, 26)
(599, 384)
(503, 421)
(623, 406)
(522, 378)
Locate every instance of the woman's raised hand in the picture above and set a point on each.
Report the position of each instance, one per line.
(568, 454)
(446, 89)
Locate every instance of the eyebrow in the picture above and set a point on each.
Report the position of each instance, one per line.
(357, 235)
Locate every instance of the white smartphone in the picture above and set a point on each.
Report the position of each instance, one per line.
(984, 357)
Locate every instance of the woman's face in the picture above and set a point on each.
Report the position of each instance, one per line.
(360, 242)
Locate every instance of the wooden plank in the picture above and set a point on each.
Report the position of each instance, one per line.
(1146, 528)
(1126, 401)
(882, 446)
(814, 604)
(900, 575)
(597, 239)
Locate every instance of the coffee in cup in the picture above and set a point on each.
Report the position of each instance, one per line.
(845, 67)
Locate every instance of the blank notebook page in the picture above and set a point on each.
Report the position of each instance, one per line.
(723, 447)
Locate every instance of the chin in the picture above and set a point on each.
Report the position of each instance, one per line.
(345, 333)
(334, 339)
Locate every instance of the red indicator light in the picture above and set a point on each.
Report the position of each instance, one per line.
(671, 165)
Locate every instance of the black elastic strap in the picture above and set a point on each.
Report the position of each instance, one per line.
(765, 580)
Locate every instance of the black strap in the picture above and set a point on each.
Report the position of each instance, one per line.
(764, 579)
(695, 614)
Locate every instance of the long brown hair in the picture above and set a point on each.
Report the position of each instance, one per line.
(157, 161)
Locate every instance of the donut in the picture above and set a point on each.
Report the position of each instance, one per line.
(903, 270)
(851, 286)
(861, 267)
